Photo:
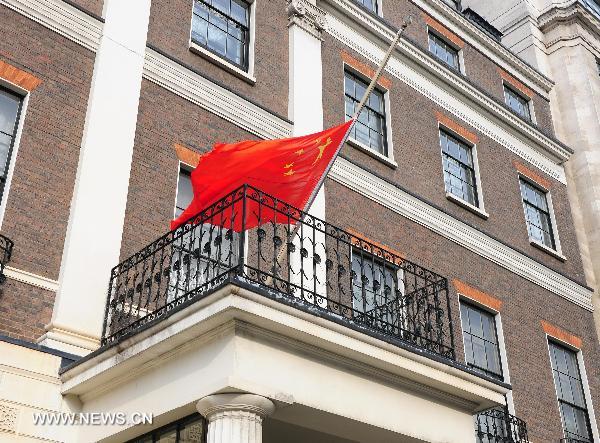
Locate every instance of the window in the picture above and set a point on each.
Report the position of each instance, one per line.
(184, 191)
(223, 27)
(482, 350)
(377, 286)
(453, 3)
(443, 51)
(569, 389)
(594, 5)
(10, 107)
(191, 429)
(459, 169)
(537, 215)
(370, 129)
(371, 5)
(518, 103)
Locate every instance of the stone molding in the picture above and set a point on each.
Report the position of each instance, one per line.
(308, 16)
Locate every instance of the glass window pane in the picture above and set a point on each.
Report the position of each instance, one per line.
(222, 5)
(200, 31)
(239, 11)
(192, 432)
(201, 10)
(234, 50)
(184, 192)
(217, 39)
(9, 107)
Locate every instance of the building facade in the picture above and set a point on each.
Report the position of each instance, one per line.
(435, 292)
(562, 40)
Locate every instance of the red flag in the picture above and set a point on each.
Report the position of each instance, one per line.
(288, 169)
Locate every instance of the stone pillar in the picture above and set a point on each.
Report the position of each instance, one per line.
(95, 228)
(235, 418)
(305, 109)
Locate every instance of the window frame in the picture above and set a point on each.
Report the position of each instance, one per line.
(399, 276)
(557, 250)
(376, 11)
(460, 68)
(478, 209)
(388, 157)
(240, 71)
(591, 415)
(504, 375)
(176, 425)
(507, 87)
(23, 95)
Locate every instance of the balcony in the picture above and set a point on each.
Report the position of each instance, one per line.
(6, 247)
(293, 258)
(498, 426)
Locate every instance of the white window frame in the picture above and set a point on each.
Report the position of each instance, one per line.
(529, 100)
(247, 76)
(477, 210)
(180, 165)
(463, 299)
(584, 381)
(459, 51)
(557, 252)
(386, 159)
(24, 94)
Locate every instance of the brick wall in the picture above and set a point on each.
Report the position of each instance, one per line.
(523, 305)
(93, 6)
(170, 31)
(164, 120)
(417, 152)
(480, 70)
(37, 209)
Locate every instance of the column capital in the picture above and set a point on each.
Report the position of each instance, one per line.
(255, 404)
(307, 16)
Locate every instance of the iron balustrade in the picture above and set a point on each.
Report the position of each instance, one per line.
(6, 247)
(498, 426)
(251, 238)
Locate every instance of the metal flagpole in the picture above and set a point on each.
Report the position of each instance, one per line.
(361, 105)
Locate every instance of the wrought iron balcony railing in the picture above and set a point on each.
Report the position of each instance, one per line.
(294, 258)
(6, 247)
(498, 426)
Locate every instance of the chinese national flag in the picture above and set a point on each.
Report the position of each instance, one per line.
(288, 169)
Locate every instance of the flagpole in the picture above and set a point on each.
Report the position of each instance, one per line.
(361, 105)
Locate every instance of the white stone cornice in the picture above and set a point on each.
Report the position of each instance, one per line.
(213, 97)
(31, 279)
(451, 91)
(306, 15)
(399, 201)
(61, 18)
(571, 22)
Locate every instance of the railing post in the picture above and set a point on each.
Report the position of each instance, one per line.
(107, 308)
(450, 325)
(242, 246)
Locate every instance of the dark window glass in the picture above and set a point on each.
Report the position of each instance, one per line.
(443, 51)
(188, 430)
(370, 129)
(453, 3)
(222, 27)
(459, 169)
(482, 351)
(10, 106)
(569, 390)
(594, 5)
(517, 103)
(184, 192)
(371, 5)
(537, 215)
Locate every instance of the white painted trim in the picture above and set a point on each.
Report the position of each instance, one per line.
(468, 206)
(452, 92)
(180, 165)
(61, 18)
(16, 143)
(506, 85)
(216, 99)
(373, 153)
(399, 201)
(31, 279)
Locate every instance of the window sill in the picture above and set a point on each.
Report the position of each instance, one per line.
(468, 206)
(376, 155)
(213, 58)
(548, 250)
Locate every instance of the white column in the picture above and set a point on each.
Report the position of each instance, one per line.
(95, 226)
(305, 109)
(235, 418)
